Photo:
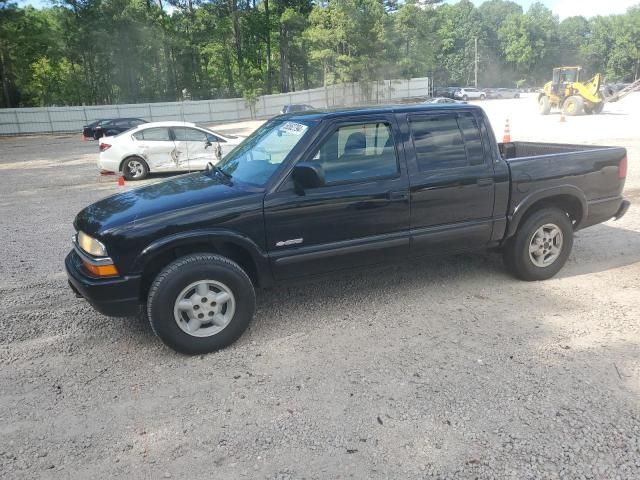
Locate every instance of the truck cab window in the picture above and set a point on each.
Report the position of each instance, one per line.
(358, 152)
(438, 142)
(472, 141)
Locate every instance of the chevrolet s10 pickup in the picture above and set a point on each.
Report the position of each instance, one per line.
(320, 192)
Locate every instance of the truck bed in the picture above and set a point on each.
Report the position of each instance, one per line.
(514, 150)
(592, 172)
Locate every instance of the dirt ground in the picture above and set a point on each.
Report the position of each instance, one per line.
(446, 368)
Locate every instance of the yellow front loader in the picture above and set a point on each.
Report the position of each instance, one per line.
(567, 93)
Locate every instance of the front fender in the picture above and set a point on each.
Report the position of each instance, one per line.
(213, 237)
(523, 206)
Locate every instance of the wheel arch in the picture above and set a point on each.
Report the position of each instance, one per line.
(238, 248)
(568, 198)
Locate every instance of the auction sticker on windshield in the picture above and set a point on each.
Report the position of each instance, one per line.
(293, 128)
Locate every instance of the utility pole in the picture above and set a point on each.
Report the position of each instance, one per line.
(476, 63)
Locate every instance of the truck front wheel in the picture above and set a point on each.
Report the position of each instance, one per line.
(541, 245)
(200, 303)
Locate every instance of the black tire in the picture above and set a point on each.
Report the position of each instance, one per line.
(139, 173)
(183, 272)
(517, 95)
(516, 253)
(544, 105)
(573, 106)
(465, 98)
(483, 96)
(597, 108)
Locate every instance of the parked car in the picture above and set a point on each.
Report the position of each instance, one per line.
(446, 92)
(327, 192)
(444, 100)
(506, 93)
(470, 93)
(489, 92)
(89, 131)
(296, 108)
(161, 147)
(108, 128)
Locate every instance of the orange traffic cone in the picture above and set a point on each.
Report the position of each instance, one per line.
(507, 133)
(562, 118)
(120, 181)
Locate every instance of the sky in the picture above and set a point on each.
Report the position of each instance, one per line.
(570, 8)
(562, 8)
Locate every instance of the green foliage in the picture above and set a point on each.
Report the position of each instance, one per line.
(120, 51)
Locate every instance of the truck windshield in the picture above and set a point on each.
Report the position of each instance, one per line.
(256, 159)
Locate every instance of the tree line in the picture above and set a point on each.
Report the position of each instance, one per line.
(127, 51)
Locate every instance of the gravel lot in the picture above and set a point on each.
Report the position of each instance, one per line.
(447, 368)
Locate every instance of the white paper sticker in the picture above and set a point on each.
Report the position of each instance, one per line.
(293, 128)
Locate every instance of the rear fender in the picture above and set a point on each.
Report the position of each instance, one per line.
(527, 202)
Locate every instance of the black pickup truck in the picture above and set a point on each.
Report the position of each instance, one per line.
(319, 192)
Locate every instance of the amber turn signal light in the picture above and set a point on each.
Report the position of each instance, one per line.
(101, 270)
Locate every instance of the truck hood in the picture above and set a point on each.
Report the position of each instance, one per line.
(177, 194)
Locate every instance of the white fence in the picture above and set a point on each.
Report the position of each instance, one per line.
(18, 121)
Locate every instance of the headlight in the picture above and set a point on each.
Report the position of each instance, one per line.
(91, 245)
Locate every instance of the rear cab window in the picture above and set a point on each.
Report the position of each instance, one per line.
(443, 141)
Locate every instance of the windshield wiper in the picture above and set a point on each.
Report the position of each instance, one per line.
(215, 168)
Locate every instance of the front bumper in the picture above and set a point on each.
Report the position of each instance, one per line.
(114, 297)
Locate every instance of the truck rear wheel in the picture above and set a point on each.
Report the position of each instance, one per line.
(544, 105)
(573, 106)
(541, 245)
(200, 303)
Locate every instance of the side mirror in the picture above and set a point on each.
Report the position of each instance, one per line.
(308, 175)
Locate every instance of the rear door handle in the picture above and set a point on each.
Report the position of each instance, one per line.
(483, 182)
(398, 196)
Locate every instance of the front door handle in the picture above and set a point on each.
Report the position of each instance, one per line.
(398, 196)
(483, 182)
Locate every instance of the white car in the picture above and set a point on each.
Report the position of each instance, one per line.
(163, 147)
(468, 93)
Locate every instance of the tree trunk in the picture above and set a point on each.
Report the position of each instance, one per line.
(293, 84)
(305, 73)
(227, 67)
(237, 34)
(5, 81)
(269, 73)
(284, 62)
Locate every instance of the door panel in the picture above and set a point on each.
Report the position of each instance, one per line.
(352, 222)
(452, 185)
(193, 147)
(157, 148)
